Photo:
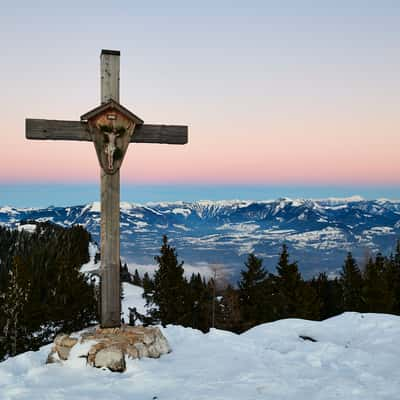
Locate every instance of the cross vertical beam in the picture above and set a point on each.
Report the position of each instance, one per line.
(111, 127)
(109, 73)
(110, 209)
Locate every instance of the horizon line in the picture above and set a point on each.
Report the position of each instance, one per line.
(347, 199)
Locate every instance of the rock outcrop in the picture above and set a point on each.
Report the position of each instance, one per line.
(112, 345)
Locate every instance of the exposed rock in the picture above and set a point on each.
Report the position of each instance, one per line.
(63, 344)
(309, 338)
(110, 357)
(141, 350)
(53, 358)
(111, 345)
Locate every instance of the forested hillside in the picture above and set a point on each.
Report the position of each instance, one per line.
(42, 291)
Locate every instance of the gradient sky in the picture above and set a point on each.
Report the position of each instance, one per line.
(274, 92)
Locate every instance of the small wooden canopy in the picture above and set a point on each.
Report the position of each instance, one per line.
(109, 106)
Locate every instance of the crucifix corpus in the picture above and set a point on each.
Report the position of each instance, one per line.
(111, 127)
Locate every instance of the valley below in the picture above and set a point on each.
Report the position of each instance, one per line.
(318, 233)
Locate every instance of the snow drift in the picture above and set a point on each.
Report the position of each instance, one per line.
(353, 356)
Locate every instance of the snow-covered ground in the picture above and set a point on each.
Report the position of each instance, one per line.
(356, 356)
(132, 298)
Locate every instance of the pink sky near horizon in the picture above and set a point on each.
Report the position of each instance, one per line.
(267, 104)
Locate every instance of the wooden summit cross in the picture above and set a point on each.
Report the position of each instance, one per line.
(111, 127)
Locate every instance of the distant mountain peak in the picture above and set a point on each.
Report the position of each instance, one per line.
(317, 231)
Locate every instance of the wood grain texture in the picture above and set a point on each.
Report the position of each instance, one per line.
(110, 212)
(109, 69)
(47, 129)
(166, 134)
(44, 129)
(110, 250)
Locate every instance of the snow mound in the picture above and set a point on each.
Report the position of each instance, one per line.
(354, 356)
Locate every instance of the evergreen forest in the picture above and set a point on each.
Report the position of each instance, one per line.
(42, 291)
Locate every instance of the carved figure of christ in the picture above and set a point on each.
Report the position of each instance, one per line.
(111, 147)
(94, 126)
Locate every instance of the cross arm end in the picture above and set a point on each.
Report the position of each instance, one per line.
(45, 129)
(164, 134)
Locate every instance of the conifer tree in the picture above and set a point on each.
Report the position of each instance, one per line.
(125, 275)
(200, 299)
(309, 305)
(14, 301)
(251, 290)
(329, 294)
(60, 297)
(136, 280)
(351, 281)
(229, 316)
(148, 291)
(397, 254)
(393, 278)
(167, 301)
(288, 286)
(294, 298)
(72, 305)
(377, 296)
(148, 284)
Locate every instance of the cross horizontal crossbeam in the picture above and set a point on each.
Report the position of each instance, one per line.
(46, 129)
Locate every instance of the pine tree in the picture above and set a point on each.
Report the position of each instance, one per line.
(125, 275)
(329, 294)
(60, 297)
(228, 315)
(148, 290)
(214, 285)
(65, 310)
(251, 290)
(167, 301)
(14, 301)
(351, 282)
(288, 286)
(309, 304)
(377, 296)
(136, 280)
(393, 278)
(199, 296)
(294, 298)
(397, 254)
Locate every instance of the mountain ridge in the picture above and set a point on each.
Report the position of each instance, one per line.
(318, 232)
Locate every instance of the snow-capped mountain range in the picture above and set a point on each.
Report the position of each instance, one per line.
(317, 232)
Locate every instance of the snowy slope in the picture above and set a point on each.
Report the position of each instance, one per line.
(132, 298)
(356, 356)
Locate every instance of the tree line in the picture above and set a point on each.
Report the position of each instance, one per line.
(42, 291)
(261, 296)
